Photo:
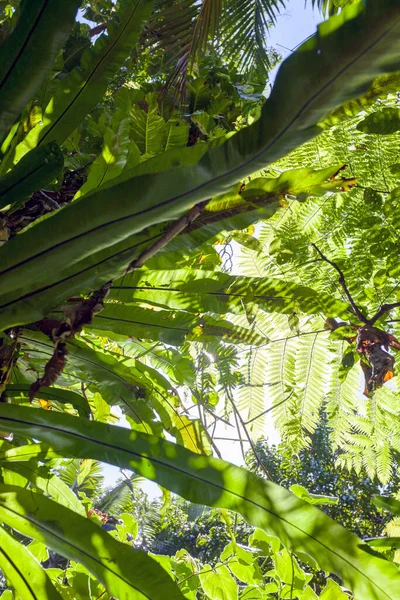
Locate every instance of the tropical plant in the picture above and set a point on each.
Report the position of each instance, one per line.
(114, 202)
(349, 496)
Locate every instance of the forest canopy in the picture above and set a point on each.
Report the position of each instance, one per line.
(198, 247)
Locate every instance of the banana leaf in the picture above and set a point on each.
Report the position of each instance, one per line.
(169, 327)
(206, 480)
(43, 480)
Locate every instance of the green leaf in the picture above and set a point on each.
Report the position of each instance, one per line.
(117, 384)
(382, 122)
(117, 147)
(395, 169)
(350, 357)
(149, 129)
(333, 591)
(166, 326)
(390, 504)
(169, 327)
(205, 480)
(39, 551)
(253, 592)
(177, 134)
(198, 291)
(25, 453)
(19, 390)
(301, 183)
(80, 91)
(301, 492)
(37, 169)
(373, 199)
(384, 542)
(29, 52)
(242, 563)
(43, 480)
(89, 242)
(344, 332)
(382, 85)
(218, 583)
(123, 570)
(23, 570)
(287, 569)
(265, 543)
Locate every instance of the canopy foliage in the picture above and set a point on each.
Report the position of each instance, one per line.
(178, 235)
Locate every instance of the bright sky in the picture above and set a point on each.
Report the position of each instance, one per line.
(293, 26)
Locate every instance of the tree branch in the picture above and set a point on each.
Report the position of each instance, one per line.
(342, 282)
(176, 228)
(383, 309)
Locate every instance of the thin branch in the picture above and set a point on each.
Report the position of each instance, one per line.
(269, 409)
(290, 337)
(383, 309)
(362, 187)
(226, 562)
(342, 282)
(176, 228)
(228, 439)
(216, 417)
(239, 418)
(241, 441)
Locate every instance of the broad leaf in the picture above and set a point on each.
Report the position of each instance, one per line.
(84, 87)
(19, 390)
(384, 542)
(169, 327)
(116, 148)
(149, 129)
(118, 384)
(28, 578)
(28, 53)
(43, 480)
(382, 122)
(90, 241)
(218, 583)
(390, 504)
(199, 291)
(123, 570)
(205, 480)
(37, 169)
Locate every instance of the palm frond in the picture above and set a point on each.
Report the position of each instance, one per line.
(119, 498)
(244, 32)
(183, 30)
